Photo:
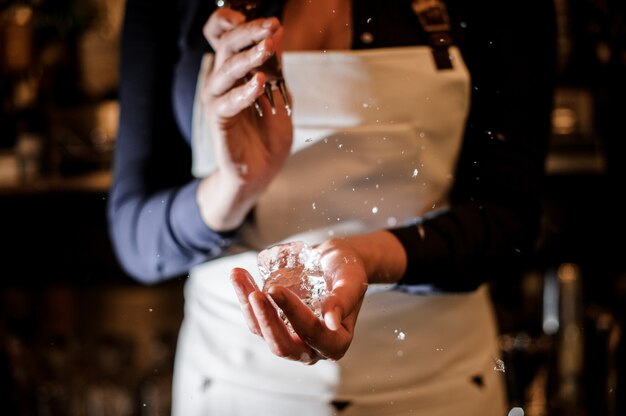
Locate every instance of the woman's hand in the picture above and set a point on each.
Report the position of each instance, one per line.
(314, 339)
(249, 149)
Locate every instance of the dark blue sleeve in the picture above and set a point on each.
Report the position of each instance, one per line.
(154, 220)
(493, 223)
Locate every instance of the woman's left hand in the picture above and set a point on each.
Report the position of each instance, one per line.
(314, 339)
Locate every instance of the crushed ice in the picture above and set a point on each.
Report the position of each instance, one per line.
(297, 267)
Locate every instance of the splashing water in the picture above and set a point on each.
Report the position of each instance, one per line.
(400, 334)
(499, 365)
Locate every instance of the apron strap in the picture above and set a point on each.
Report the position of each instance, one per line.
(435, 21)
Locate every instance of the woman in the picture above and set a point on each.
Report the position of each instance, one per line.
(413, 160)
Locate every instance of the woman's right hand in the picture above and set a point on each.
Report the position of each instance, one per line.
(249, 149)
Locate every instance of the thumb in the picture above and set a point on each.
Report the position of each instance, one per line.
(332, 313)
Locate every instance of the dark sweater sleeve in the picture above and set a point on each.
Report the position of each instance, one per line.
(494, 218)
(154, 220)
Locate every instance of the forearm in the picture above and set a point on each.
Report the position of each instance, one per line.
(161, 235)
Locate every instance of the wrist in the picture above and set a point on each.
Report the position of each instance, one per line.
(382, 254)
(223, 202)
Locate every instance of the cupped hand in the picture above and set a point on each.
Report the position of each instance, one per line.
(313, 338)
(249, 149)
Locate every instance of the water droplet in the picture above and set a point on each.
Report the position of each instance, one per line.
(516, 411)
(400, 353)
(499, 365)
(369, 20)
(463, 25)
(400, 335)
(439, 349)
(150, 309)
(340, 145)
(415, 172)
(392, 221)
(374, 210)
(367, 37)
(313, 205)
(421, 231)
(366, 105)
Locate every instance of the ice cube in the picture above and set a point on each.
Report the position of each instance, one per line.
(295, 266)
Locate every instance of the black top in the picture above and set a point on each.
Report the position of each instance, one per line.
(495, 202)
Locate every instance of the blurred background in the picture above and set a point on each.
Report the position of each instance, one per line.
(79, 337)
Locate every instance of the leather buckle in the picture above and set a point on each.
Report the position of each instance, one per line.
(432, 15)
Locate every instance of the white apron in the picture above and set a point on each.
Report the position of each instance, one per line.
(376, 138)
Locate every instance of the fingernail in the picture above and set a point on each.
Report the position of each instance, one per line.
(276, 295)
(267, 23)
(332, 319)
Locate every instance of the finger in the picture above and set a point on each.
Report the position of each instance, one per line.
(244, 285)
(247, 34)
(347, 278)
(220, 22)
(236, 67)
(335, 318)
(237, 99)
(346, 296)
(304, 322)
(274, 330)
